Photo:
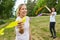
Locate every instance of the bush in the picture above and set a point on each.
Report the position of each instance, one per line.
(2, 22)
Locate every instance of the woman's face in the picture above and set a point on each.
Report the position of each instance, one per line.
(53, 9)
(23, 10)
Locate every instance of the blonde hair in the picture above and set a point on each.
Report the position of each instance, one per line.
(19, 7)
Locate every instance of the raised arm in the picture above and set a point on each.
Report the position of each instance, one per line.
(48, 8)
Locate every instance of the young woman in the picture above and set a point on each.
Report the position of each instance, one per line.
(22, 29)
(52, 21)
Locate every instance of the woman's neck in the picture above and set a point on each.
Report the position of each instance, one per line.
(21, 16)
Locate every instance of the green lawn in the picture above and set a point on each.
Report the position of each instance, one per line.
(39, 29)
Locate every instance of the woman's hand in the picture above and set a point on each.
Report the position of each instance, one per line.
(21, 28)
(20, 24)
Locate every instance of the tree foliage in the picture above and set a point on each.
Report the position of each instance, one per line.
(6, 8)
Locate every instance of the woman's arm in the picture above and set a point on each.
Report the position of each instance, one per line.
(54, 13)
(30, 37)
(48, 8)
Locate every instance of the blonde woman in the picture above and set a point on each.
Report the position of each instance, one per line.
(22, 29)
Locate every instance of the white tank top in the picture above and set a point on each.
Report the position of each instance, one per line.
(25, 35)
(52, 17)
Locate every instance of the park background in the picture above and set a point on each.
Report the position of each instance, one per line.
(39, 23)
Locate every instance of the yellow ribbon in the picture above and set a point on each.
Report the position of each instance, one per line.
(12, 24)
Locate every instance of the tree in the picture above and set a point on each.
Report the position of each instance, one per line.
(54, 3)
(30, 7)
(49, 3)
(57, 6)
(6, 8)
(39, 4)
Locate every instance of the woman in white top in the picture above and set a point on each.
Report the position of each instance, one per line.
(52, 21)
(25, 35)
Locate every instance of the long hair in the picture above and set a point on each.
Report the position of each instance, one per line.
(18, 9)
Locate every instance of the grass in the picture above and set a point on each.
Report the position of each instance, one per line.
(39, 29)
(7, 21)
